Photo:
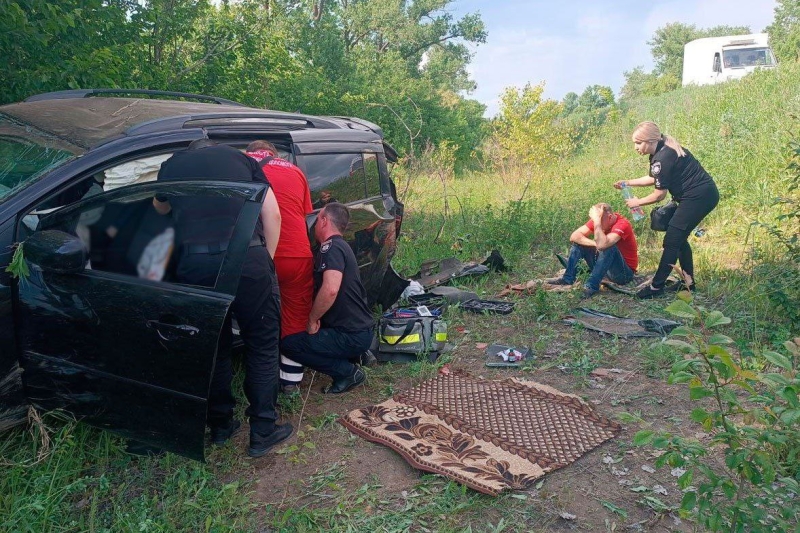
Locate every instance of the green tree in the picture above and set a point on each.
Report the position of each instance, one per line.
(784, 32)
(48, 46)
(569, 103)
(527, 127)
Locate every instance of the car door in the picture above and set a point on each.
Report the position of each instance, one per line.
(118, 342)
(349, 172)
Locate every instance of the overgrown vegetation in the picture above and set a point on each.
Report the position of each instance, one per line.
(360, 59)
(753, 422)
(522, 194)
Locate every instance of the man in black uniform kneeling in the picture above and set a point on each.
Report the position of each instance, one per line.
(204, 227)
(340, 326)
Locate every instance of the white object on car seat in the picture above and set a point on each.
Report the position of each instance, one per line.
(136, 171)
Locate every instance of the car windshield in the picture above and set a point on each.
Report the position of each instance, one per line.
(26, 154)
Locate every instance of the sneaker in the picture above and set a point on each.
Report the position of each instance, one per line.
(647, 292)
(261, 444)
(345, 384)
(556, 281)
(588, 293)
(221, 435)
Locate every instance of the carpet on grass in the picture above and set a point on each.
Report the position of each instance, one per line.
(488, 435)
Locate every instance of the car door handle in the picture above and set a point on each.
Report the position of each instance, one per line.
(171, 332)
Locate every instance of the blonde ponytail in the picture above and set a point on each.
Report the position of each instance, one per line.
(648, 132)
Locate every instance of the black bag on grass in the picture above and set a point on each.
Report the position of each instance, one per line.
(660, 217)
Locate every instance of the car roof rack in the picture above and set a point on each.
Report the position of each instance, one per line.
(88, 93)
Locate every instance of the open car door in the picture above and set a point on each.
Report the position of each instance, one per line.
(104, 330)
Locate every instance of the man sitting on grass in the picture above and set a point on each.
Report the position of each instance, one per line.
(612, 253)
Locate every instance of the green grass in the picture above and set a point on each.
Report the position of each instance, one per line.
(433, 504)
(85, 482)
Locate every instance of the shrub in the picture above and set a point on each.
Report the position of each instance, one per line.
(753, 419)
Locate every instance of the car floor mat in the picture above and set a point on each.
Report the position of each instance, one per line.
(449, 268)
(608, 324)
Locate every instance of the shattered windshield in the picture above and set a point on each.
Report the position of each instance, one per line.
(26, 154)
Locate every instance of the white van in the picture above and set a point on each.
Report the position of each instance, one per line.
(719, 59)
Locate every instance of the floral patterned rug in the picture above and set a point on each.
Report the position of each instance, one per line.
(489, 435)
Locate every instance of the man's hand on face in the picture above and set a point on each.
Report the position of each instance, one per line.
(595, 215)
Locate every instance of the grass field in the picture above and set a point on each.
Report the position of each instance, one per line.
(60, 475)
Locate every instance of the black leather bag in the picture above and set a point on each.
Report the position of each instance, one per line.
(660, 217)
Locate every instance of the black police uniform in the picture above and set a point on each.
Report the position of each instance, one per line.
(697, 195)
(203, 229)
(346, 329)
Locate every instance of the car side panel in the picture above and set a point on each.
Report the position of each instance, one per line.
(371, 235)
(13, 406)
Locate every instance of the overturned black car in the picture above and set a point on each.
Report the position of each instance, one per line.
(99, 327)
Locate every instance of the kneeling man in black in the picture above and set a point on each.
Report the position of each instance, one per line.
(340, 326)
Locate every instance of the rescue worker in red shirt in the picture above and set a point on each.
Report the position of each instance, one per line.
(611, 253)
(294, 261)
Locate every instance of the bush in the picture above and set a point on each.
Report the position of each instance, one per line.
(753, 419)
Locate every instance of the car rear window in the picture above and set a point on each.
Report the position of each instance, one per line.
(26, 155)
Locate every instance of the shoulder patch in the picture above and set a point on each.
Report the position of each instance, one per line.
(655, 168)
(325, 247)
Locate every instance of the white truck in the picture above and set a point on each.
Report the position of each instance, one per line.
(719, 59)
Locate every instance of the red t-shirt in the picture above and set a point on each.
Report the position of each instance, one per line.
(294, 200)
(627, 240)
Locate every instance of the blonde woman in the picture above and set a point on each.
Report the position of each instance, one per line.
(673, 169)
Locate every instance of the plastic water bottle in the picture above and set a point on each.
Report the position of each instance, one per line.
(636, 212)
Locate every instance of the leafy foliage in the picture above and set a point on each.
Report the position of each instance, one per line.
(18, 268)
(399, 64)
(752, 417)
(784, 32)
(527, 127)
(784, 290)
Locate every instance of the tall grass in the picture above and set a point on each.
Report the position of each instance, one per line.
(739, 131)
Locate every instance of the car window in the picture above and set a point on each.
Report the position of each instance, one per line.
(26, 155)
(135, 235)
(372, 175)
(334, 177)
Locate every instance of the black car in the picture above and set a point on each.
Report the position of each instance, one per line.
(99, 327)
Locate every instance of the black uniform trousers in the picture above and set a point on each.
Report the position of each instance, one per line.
(257, 311)
(676, 242)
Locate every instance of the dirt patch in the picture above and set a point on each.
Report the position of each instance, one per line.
(323, 465)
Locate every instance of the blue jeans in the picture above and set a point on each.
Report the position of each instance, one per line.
(608, 262)
(328, 351)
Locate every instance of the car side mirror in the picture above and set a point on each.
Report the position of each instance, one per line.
(56, 251)
(717, 63)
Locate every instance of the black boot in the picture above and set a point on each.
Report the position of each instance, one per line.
(221, 434)
(261, 444)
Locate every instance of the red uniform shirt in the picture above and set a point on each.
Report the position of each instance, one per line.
(294, 200)
(627, 240)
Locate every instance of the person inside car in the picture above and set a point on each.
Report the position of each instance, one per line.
(340, 326)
